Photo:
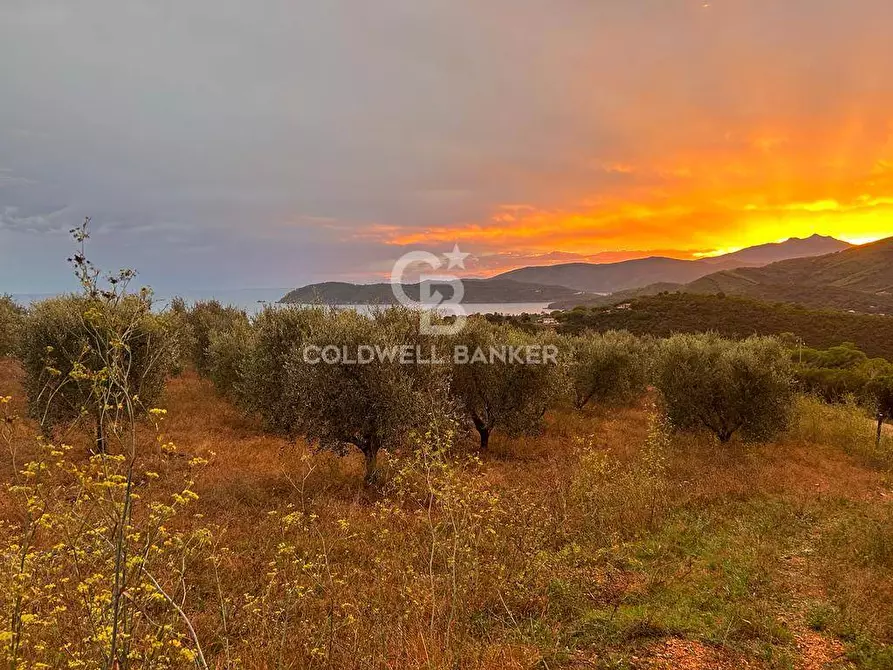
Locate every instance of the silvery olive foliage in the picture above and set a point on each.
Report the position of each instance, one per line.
(276, 335)
(509, 396)
(203, 319)
(11, 314)
(724, 386)
(379, 404)
(225, 357)
(609, 368)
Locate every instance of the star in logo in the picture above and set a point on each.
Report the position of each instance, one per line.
(456, 258)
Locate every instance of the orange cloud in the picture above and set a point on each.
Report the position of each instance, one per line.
(750, 188)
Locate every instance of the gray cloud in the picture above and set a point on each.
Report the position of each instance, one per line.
(223, 142)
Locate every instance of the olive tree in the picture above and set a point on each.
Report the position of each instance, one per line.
(609, 367)
(497, 390)
(176, 322)
(226, 357)
(204, 319)
(726, 386)
(261, 389)
(352, 384)
(11, 315)
(70, 346)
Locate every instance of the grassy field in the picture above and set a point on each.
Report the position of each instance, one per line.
(604, 543)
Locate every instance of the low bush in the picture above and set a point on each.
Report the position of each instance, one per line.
(880, 390)
(176, 321)
(262, 385)
(226, 358)
(204, 319)
(847, 426)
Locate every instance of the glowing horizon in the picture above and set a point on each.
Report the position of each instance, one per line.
(747, 191)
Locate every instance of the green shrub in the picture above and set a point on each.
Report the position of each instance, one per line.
(176, 320)
(609, 367)
(839, 373)
(501, 394)
(11, 315)
(846, 426)
(374, 405)
(726, 386)
(275, 334)
(843, 356)
(226, 358)
(80, 353)
(205, 318)
(832, 385)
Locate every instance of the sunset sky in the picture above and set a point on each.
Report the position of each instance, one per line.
(275, 143)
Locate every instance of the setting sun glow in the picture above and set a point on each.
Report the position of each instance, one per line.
(750, 189)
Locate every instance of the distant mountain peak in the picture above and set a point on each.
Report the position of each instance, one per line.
(635, 273)
(772, 252)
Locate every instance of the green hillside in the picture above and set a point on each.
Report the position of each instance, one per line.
(860, 279)
(668, 313)
(865, 269)
(476, 291)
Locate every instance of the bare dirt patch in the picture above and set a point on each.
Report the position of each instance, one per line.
(677, 654)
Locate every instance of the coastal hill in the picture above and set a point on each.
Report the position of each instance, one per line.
(477, 291)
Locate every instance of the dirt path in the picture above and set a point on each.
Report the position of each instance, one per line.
(815, 650)
(677, 654)
(821, 472)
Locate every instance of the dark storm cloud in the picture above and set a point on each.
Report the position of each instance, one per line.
(258, 143)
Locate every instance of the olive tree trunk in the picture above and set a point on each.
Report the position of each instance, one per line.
(485, 438)
(371, 447)
(483, 429)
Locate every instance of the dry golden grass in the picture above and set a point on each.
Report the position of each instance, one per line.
(603, 542)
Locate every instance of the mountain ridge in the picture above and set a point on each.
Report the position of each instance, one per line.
(625, 275)
(577, 281)
(859, 278)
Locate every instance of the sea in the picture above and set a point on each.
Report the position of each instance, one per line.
(252, 300)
